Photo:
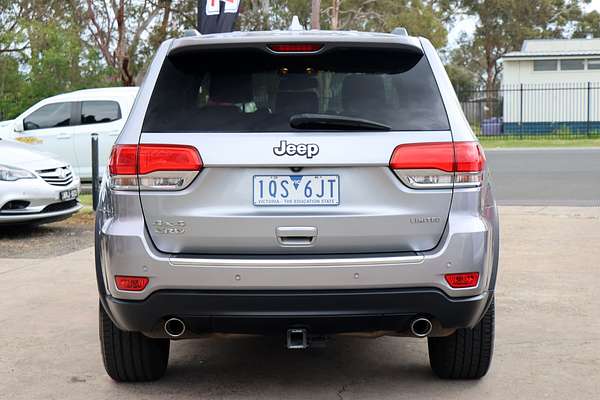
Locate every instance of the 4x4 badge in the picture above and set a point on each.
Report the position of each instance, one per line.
(309, 150)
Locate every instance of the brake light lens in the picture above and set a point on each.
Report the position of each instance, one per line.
(462, 280)
(439, 165)
(123, 160)
(131, 283)
(469, 157)
(296, 47)
(154, 158)
(153, 167)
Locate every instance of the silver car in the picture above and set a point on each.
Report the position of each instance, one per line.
(301, 184)
(35, 187)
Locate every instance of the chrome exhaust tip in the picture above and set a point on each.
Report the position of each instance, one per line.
(174, 327)
(421, 327)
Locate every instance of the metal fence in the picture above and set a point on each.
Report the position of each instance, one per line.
(557, 110)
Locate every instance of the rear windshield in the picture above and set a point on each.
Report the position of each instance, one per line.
(250, 90)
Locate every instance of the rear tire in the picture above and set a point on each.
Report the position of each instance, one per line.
(131, 356)
(466, 354)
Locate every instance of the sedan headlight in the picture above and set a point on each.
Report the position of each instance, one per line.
(14, 174)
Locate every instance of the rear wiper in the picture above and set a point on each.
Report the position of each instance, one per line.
(335, 122)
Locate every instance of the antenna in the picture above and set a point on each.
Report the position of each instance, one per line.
(400, 31)
(296, 26)
(191, 33)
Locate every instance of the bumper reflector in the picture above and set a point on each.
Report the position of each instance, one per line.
(463, 280)
(131, 283)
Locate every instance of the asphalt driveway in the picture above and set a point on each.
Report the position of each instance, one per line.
(547, 334)
(546, 176)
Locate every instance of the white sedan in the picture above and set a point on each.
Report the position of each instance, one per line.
(35, 187)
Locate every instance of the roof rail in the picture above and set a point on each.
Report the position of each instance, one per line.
(191, 33)
(400, 31)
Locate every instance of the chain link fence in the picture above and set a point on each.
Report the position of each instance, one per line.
(555, 110)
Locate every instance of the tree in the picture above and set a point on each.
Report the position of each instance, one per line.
(315, 15)
(116, 27)
(419, 17)
(588, 24)
(272, 14)
(463, 80)
(12, 35)
(466, 58)
(503, 25)
(11, 83)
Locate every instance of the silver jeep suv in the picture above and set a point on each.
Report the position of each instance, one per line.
(300, 184)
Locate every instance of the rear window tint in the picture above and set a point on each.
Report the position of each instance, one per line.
(249, 90)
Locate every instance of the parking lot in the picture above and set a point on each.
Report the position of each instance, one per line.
(547, 344)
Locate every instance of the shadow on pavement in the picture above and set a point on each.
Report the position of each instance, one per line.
(262, 368)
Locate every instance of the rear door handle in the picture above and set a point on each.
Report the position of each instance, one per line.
(63, 136)
(297, 236)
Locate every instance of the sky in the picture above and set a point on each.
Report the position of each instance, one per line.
(468, 24)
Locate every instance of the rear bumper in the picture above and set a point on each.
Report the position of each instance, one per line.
(272, 312)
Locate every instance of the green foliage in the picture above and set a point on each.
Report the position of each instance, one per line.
(503, 25)
(509, 141)
(12, 36)
(261, 15)
(463, 80)
(588, 24)
(419, 17)
(57, 62)
(11, 84)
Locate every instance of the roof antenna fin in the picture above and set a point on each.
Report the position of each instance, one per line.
(296, 25)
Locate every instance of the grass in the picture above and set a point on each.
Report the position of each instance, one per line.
(85, 199)
(490, 143)
(86, 215)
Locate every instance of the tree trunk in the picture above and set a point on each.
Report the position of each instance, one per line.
(121, 53)
(490, 81)
(265, 8)
(335, 15)
(164, 25)
(315, 16)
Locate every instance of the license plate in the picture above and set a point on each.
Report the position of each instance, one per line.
(69, 195)
(296, 190)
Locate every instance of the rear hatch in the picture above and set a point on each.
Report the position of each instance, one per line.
(295, 144)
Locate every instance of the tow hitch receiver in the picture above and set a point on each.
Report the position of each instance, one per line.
(297, 339)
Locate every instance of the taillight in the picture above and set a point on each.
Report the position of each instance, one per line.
(462, 280)
(131, 283)
(295, 47)
(439, 165)
(153, 166)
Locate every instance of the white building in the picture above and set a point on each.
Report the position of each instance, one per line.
(552, 84)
